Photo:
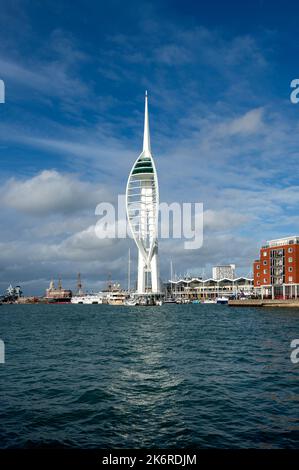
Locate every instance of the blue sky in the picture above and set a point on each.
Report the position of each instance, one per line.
(223, 129)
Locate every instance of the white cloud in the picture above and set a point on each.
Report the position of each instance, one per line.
(51, 192)
(50, 79)
(224, 220)
(251, 122)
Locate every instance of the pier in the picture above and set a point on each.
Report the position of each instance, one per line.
(289, 303)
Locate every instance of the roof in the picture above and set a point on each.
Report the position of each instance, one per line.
(203, 281)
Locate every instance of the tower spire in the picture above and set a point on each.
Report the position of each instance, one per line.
(146, 134)
(142, 207)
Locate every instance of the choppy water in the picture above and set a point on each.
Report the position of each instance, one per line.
(171, 376)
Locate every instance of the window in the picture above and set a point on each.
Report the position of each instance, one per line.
(265, 263)
(258, 283)
(265, 280)
(290, 250)
(257, 266)
(265, 253)
(290, 269)
(290, 278)
(258, 274)
(290, 260)
(265, 271)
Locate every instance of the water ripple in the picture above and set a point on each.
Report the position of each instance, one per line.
(175, 376)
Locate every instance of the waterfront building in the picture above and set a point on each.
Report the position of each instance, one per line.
(226, 271)
(198, 288)
(142, 206)
(27, 300)
(276, 272)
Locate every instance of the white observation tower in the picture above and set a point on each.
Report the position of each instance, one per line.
(142, 205)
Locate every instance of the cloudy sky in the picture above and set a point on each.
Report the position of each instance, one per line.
(223, 129)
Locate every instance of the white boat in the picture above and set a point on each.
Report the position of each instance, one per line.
(132, 302)
(209, 301)
(222, 300)
(170, 300)
(117, 297)
(149, 301)
(88, 299)
(182, 301)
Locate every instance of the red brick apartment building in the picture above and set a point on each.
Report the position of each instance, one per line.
(276, 272)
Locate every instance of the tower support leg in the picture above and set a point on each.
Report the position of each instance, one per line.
(155, 273)
(141, 275)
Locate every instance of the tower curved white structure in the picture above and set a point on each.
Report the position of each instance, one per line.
(142, 205)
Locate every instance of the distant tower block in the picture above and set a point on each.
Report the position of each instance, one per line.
(226, 271)
(142, 204)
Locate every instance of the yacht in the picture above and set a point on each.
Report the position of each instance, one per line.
(117, 297)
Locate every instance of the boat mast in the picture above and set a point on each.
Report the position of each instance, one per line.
(171, 275)
(129, 270)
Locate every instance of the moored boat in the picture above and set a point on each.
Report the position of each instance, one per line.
(170, 300)
(210, 301)
(143, 300)
(117, 297)
(88, 299)
(222, 300)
